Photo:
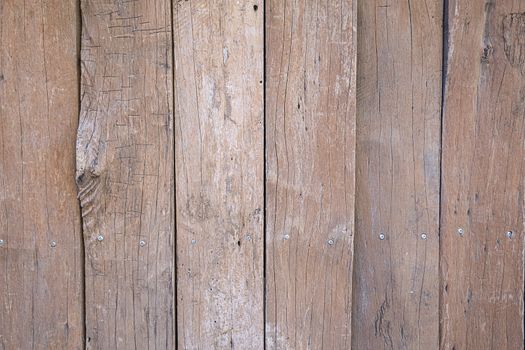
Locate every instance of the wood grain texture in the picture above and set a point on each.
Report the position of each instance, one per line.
(218, 51)
(40, 281)
(483, 176)
(125, 173)
(398, 166)
(310, 138)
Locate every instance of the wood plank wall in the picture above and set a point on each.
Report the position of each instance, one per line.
(41, 256)
(396, 292)
(125, 174)
(483, 176)
(258, 174)
(310, 160)
(219, 173)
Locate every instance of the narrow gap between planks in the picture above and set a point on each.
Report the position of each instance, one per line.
(264, 172)
(444, 69)
(175, 274)
(82, 245)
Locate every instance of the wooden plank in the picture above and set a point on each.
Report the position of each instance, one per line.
(310, 138)
(398, 165)
(218, 51)
(125, 173)
(41, 254)
(483, 172)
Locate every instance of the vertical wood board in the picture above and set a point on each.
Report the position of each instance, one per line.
(125, 173)
(483, 170)
(310, 163)
(41, 300)
(218, 52)
(398, 165)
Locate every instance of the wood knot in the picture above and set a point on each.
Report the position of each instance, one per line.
(89, 188)
(487, 53)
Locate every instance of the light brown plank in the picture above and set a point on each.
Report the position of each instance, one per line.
(218, 48)
(125, 173)
(40, 281)
(483, 172)
(310, 138)
(398, 148)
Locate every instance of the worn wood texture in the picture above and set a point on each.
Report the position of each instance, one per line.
(125, 173)
(41, 250)
(398, 166)
(218, 51)
(482, 177)
(310, 138)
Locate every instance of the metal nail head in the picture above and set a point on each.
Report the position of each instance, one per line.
(142, 243)
(193, 241)
(509, 234)
(286, 237)
(53, 244)
(423, 236)
(382, 236)
(2, 242)
(461, 232)
(100, 238)
(331, 242)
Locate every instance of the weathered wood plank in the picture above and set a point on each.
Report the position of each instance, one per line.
(310, 138)
(218, 51)
(41, 254)
(483, 176)
(398, 165)
(125, 173)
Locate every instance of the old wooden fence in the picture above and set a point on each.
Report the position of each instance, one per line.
(288, 174)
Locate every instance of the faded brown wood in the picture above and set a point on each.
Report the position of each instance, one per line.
(398, 166)
(310, 138)
(125, 173)
(41, 254)
(483, 172)
(218, 51)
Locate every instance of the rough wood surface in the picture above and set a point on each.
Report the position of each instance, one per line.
(125, 173)
(218, 48)
(310, 138)
(483, 176)
(41, 254)
(398, 149)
